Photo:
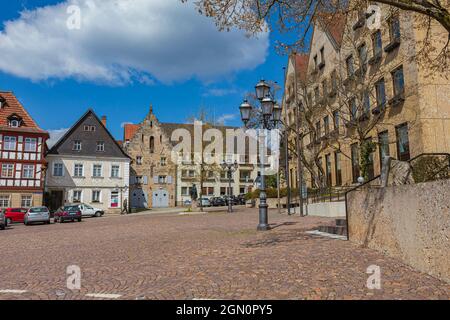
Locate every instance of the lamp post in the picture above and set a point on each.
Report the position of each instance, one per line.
(229, 168)
(265, 117)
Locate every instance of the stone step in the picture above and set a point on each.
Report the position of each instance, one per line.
(341, 222)
(339, 230)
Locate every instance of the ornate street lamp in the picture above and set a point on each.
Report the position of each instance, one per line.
(229, 168)
(267, 117)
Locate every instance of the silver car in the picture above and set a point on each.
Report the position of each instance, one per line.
(3, 223)
(37, 215)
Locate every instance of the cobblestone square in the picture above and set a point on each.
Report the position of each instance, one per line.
(199, 256)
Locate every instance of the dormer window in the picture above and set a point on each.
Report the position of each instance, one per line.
(14, 121)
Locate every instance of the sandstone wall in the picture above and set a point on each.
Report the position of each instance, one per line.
(409, 222)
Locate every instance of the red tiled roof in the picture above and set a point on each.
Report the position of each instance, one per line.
(129, 131)
(301, 61)
(334, 24)
(12, 106)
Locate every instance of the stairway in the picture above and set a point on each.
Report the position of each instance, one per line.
(340, 228)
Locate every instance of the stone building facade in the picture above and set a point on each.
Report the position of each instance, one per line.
(157, 181)
(363, 83)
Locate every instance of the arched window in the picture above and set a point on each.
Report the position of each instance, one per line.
(152, 144)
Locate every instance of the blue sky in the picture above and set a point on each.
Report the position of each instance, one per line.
(159, 67)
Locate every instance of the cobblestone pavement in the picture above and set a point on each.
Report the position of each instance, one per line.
(212, 256)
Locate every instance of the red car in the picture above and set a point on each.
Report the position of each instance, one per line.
(14, 215)
(68, 213)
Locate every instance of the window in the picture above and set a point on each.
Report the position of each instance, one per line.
(316, 94)
(89, 128)
(184, 191)
(350, 66)
(139, 160)
(162, 179)
(77, 145)
(324, 87)
(163, 161)
(318, 130)
(97, 171)
(114, 199)
(326, 125)
(394, 28)
(353, 109)
(398, 81)
(115, 170)
(30, 144)
(4, 201)
(402, 142)
(58, 170)
(337, 168)
(381, 93)
(9, 143)
(369, 167)
(152, 144)
(328, 169)
(336, 120)
(208, 191)
(245, 175)
(14, 123)
(366, 102)
(334, 80)
(95, 196)
(100, 146)
(383, 142)
(355, 162)
(7, 170)
(322, 57)
(26, 201)
(28, 171)
(76, 196)
(362, 55)
(377, 43)
(78, 170)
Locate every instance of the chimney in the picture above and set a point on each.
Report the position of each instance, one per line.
(104, 120)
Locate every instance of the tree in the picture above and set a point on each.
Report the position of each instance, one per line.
(297, 17)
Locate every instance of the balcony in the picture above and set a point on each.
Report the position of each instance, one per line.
(321, 65)
(391, 46)
(376, 58)
(364, 117)
(397, 99)
(378, 109)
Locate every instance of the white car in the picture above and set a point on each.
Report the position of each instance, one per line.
(89, 211)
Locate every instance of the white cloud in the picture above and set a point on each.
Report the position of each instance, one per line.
(120, 41)
(225, 118)
(55, 135)
(219, 92)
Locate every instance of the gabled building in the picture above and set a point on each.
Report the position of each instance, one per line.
(87, 165)
(22, 150)
(156, 181)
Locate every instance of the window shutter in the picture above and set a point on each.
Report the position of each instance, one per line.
(155, 179)
(133, 180)
(169, 179)
(145, 180)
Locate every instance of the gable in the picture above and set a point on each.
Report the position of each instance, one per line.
(89, 130)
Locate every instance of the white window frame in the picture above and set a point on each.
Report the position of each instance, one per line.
(111, 199)
(94, 170)
(80, 198)
(8, 142)
(93, 200)
(29, 201)
(27, 168)
(77, 145)
(75, 170)
(9, 169)
(118, 171)
(100, 146)
(30, 142)
(3, 198)
(54, 169)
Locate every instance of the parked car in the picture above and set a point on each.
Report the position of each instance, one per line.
(241, 199)
(204, 202)
(14, 215)
(3, 222)
(217, 202)
(37, 215)
(187, 203)
(89, 211)
(68, 213)
(234, 200)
